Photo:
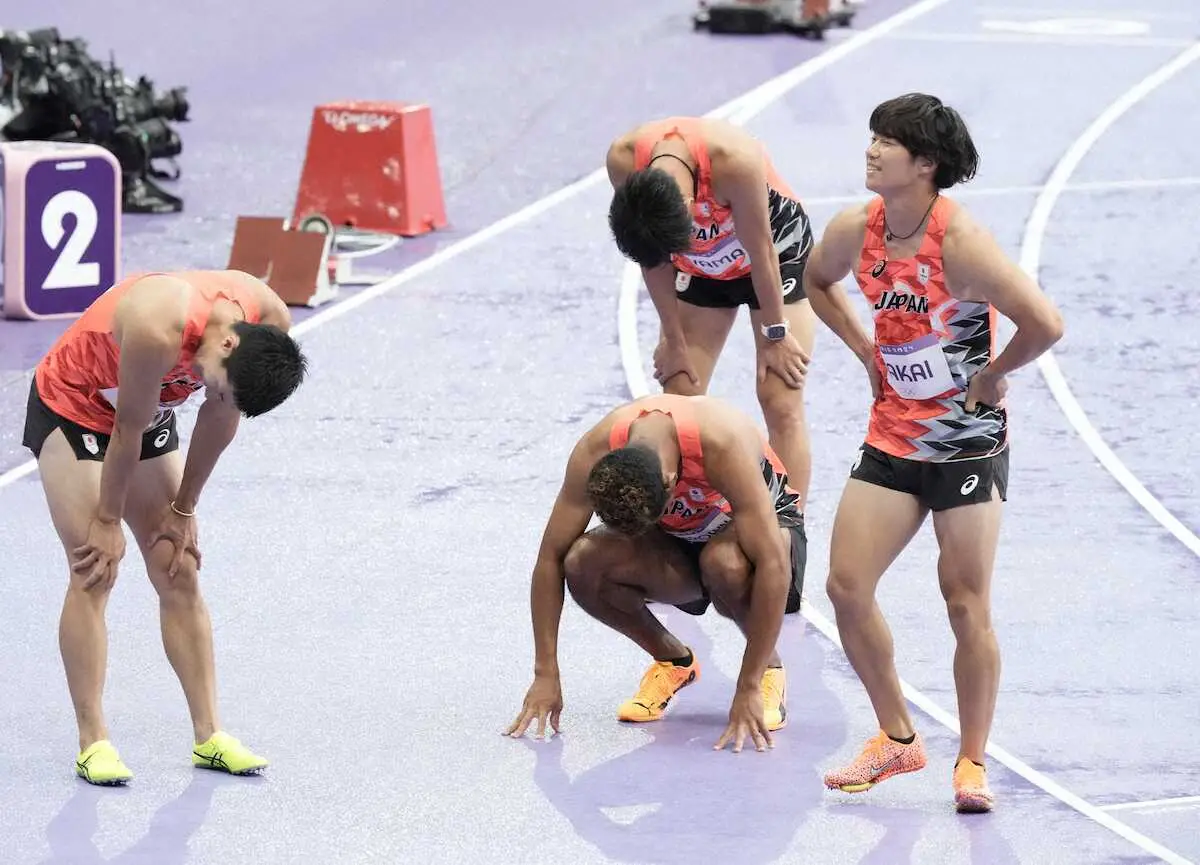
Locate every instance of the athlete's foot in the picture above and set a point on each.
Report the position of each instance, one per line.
(774, 689)
(661, 682)
(971, 793)
(100, 764)
(226, 754)
(880, 759)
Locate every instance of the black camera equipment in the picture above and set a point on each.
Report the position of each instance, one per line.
(54, 90)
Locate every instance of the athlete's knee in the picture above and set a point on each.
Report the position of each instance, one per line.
(782, 406)
(726, 574)
(847, 588)
(97, 594)
(181, 587)
(587, 566)
(967, 608)
(680, 385)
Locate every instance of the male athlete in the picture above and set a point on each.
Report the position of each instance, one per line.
(937, 439)
(696, 508)
(699, 206)
(101, 424)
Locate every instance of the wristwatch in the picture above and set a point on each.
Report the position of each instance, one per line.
(775, 332)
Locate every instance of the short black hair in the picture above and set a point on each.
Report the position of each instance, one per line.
(927, 127)
(649, 218)
(627, 490)
(264, 368)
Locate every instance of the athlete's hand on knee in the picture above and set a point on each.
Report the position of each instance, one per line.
(182, 533)
(986, 389)
(746, 719)
(786, 358)
(542, 701)
(671, 359)
(96, 560)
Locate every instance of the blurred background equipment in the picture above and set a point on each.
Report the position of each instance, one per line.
(801, 17)
(52, 89)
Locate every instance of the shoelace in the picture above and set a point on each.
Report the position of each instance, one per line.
(876, 749)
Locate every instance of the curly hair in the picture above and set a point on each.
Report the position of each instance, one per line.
(649, 218)
(627, 490)
(926, 127)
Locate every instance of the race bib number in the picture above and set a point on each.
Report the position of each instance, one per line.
(704, 532)
(918, 369)
(111, 393)
(724, 259)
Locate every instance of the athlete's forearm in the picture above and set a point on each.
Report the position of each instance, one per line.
(546, 595)
(831, 305)
(660, 283)
(215, 428)
(120, 460)
(768, 285)
(1029, 343)
(768, 597)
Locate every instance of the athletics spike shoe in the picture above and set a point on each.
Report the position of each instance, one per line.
(661, 682)
(971, 793)
(880, 759)
(774, 690)
(100, 764)
(226, 754)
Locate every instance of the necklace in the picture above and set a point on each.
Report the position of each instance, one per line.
(893, 236)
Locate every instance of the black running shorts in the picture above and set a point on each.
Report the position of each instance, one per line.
(732, 293)
(938, 486)
(40, 421)
(799, 560)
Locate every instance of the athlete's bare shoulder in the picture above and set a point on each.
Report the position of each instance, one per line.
(977, 268)
(835, 254)
(273, 310)
(153, 309)
(619, 159)
(593, 445)
(726, 141)
(850, 223)
(961, 222)
(597, 437)
(723, 426)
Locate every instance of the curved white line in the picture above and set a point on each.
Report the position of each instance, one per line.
(760, 96)
(627, 331)
(632, 361)
(769, 91)
(1030, 260)
(15, 474)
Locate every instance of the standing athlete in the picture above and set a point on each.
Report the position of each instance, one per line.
(101, 423)
(699, 206)
(937, 439)
(696, 508)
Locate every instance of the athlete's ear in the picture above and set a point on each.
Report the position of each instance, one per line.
(229, 343)
(925, 165)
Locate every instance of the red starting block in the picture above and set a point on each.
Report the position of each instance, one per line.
(294, 262)
(370, 176)
(372, 166)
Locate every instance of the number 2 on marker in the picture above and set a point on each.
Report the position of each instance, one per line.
(70, 270)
